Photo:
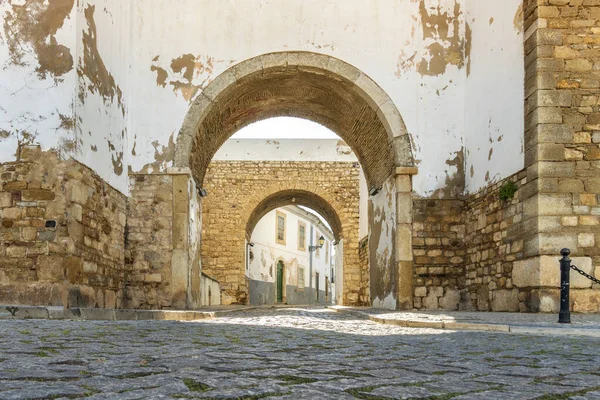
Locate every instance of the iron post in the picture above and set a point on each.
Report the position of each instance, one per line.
(564, 316)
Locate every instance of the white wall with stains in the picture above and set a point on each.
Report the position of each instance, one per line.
(494, 90)
(285, 150)
(382, 235)
(139, 64)
(38, 80)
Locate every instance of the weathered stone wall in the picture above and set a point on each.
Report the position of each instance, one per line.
(494, 241)
(562, 141)
(439, 253)
(149, 241)
(237, 188)
(162, 242)
(363, 260)
(61, 233)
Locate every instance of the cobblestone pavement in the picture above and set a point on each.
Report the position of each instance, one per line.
(287, 353)
(581, 321)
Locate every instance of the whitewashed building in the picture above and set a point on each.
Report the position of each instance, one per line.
(280, 266)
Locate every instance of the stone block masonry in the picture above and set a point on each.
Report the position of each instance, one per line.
(562, 143)
(237, 188)
(162, 249)
(494, 237)
(61, 233)
(439, 253)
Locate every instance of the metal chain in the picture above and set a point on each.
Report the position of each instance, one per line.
(586, 275)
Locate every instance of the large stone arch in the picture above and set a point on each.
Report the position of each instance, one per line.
(339, 96)
(313, 86)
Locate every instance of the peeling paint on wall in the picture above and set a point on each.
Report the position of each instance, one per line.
(34, 24)
(382, 223)
(93, 72)
(455, 177)
(519, 21)
(163, 156)
(187, 74)
(445, 41)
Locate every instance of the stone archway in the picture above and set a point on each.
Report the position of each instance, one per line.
(300, 198)
(254, 189)
(337, 95)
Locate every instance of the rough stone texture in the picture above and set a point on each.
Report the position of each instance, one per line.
(494, 236)
(561, 138)
(363, 261)
(162, 252)
(439, 253)
(79, 260)
(277, 353)
(241, 192)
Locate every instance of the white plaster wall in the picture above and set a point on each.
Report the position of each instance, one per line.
(267, 251)
(102, 98)
(381, 247)
(389, 41)
(285, 150)
(34, 108)
(494, 120)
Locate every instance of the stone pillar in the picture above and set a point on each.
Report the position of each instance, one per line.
(180, 271)
(403, 245)
(562, 137)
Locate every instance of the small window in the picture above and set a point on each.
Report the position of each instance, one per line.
(300, 277)
(280, 228)
(318, 250)
(301, 236)
(327, 251)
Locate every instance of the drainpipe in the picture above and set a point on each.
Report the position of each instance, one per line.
(310, 259)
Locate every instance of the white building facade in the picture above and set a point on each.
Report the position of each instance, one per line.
(280, 267)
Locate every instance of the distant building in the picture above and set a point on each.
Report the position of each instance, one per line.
(279, 265)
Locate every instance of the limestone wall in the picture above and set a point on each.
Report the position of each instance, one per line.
(363, 259)
(439, 253)
(494, 239)
(162, 242)
(61, 238)
(237, 188)
(562, 153)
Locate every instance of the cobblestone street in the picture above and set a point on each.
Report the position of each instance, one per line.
(287, 353)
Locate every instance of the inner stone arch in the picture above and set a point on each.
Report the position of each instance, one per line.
(306, 85)
(298, 198)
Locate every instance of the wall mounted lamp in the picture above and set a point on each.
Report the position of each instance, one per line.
(321, 243)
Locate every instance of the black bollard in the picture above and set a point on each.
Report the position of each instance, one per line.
(564, 317)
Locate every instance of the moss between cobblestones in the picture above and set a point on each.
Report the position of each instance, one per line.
(195, 386)
(360, 393)
(567, 395)
(294, 380)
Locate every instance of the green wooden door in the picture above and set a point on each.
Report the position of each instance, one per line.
(279, 282)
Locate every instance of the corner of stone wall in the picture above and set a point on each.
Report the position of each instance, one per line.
(562, 149)
(61, 233)
(162, 241)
